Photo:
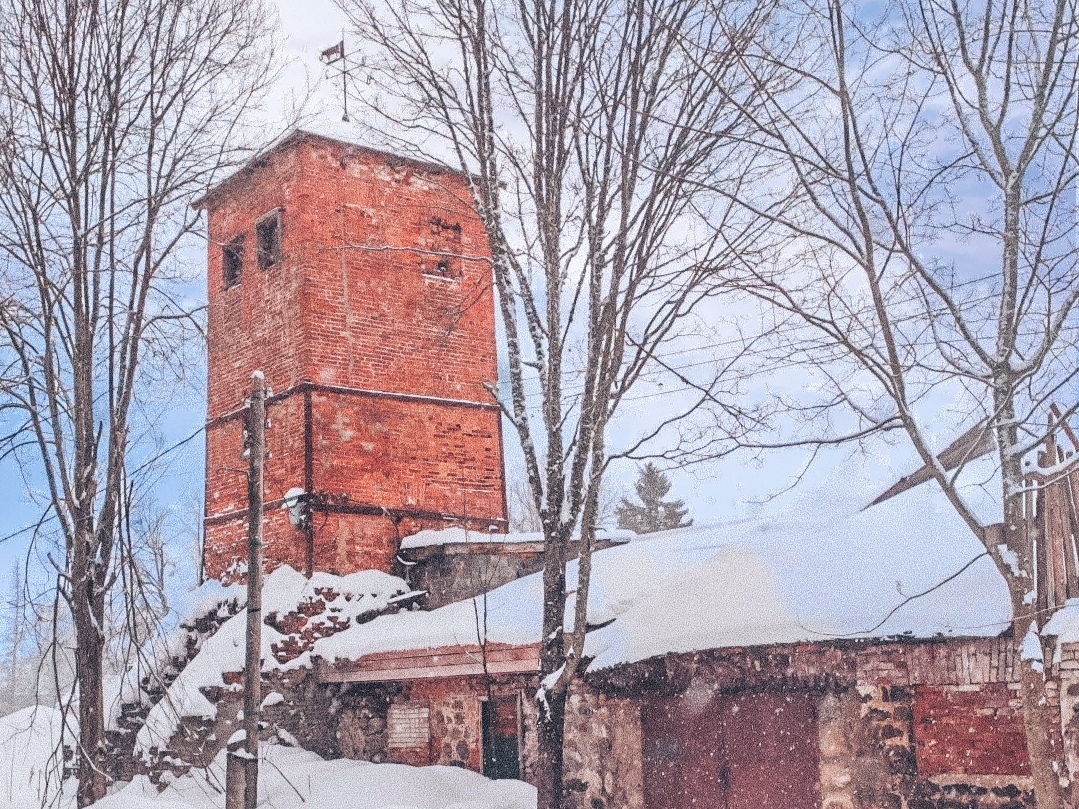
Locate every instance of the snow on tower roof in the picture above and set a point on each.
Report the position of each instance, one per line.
(822, 570)
(324, 130)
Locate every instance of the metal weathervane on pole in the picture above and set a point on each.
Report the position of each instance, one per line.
(334, 57)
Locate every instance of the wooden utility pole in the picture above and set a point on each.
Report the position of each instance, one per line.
(243, 768)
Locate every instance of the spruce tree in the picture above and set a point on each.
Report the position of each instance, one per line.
(654, 513)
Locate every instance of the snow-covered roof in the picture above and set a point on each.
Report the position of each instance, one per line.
(822, 569)
(326, 130)
(461, 536)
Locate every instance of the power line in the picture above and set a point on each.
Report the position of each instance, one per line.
(45, 518)
(167, 450)
(781, 332)
(48, 516)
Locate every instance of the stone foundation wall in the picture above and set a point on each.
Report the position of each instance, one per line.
(869, 701)
(449, 576)
(603, 752)
(457, 571)
(361, 731)
(900, 725)
(456, 731)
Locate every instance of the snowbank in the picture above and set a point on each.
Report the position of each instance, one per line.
(30, 769)
(291, 777)
(317, 606)
(288, 779)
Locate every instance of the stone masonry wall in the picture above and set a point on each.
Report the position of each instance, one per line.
(603, 752)
(931, 725)
(873, 753)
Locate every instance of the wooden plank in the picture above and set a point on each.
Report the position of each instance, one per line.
(1072, 523)
(1041, 560)
(443, 661)
(333, 675)
(1051, 538)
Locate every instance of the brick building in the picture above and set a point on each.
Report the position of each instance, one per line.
(779, 695)
(360, 284)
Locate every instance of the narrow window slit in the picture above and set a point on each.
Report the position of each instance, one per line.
(232, 262)
(268, 240)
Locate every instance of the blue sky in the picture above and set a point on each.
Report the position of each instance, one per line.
(713, 491)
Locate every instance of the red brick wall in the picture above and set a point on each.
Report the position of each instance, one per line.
(383, 448)
(404, 331)
(969, 730)
(357, 305)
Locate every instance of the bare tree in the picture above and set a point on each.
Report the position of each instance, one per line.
(523, 516)
(18, 633)
(112, 116)
(590, 137)
(928, 193)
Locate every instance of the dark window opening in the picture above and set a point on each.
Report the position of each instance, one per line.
(232, 261)
(268, 240)
(440, 227)
(444, 241)
(501, 726)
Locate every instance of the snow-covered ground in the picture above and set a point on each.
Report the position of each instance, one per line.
(289, 778)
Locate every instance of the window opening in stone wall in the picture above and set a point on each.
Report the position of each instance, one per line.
(408, 726)
(442, 244)
(501, 745)
(268, 240)
(232, 261)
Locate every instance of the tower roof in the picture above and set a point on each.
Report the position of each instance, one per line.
(326, 133)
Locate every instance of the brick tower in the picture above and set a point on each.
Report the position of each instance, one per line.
(360, 284)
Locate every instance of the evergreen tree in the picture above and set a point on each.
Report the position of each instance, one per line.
(655, 514)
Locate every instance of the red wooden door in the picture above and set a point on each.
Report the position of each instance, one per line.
(754, 751)
(683, 756)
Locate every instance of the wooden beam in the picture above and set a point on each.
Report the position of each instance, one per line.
(446, 661)
(974, 443)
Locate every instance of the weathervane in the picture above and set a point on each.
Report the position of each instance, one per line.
(335, 57)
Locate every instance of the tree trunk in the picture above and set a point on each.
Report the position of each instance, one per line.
(87, 616)
(1042, 748)
(1040, 720)
(550, 730)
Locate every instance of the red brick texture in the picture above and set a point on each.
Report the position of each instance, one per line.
(376, 333)
(969, 730)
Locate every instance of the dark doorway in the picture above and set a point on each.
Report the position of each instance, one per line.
(752, 751)
(501, 751)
